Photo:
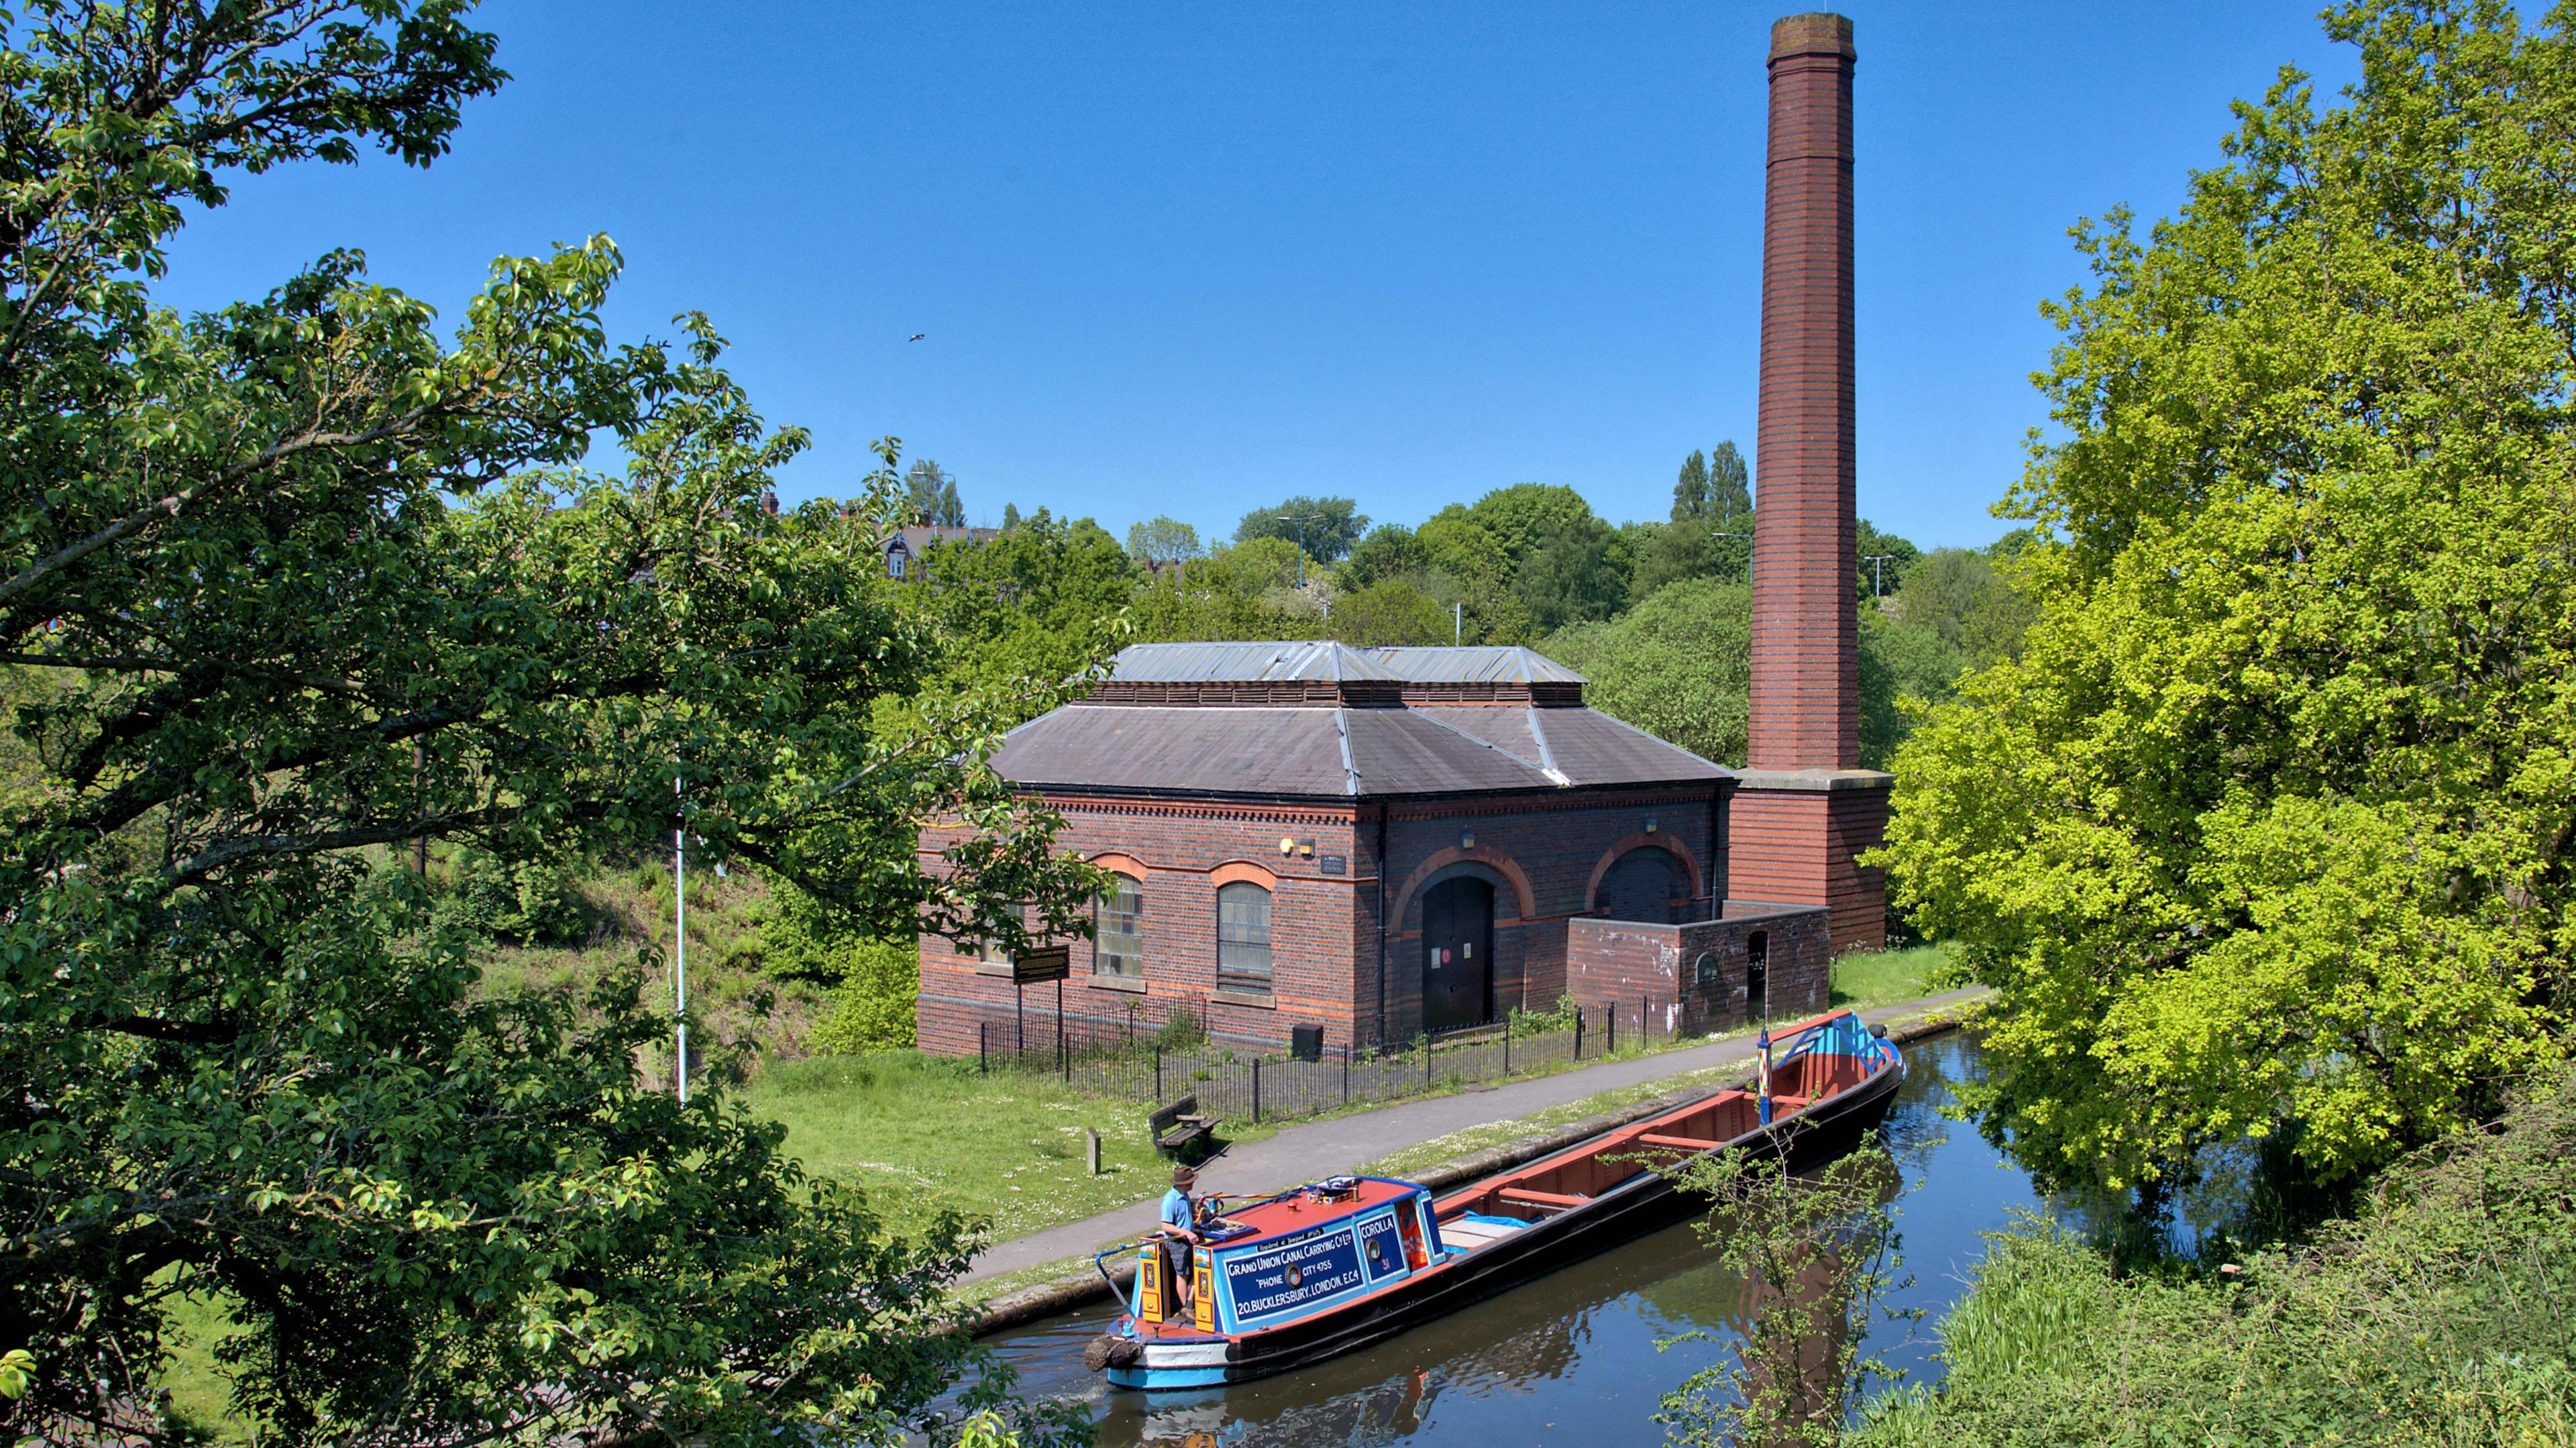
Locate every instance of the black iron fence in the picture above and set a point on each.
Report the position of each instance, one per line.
(1139, 1058)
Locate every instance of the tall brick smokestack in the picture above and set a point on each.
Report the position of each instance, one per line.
(1803, 811)
(1806, 692)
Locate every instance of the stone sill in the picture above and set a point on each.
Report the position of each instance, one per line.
(1261, 1000)
(1130, 984)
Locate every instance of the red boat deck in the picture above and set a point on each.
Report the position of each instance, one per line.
(1574, 1176)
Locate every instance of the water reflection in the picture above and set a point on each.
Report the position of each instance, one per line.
(1570, 1359)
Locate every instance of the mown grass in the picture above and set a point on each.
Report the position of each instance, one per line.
(921, 1133)
(1885, 977)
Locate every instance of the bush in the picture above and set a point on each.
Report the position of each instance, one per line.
(2436, 1316)
(529, 902)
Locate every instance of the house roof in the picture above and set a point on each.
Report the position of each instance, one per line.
(1216, 740)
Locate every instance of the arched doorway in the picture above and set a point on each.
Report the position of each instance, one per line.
(1641, 887)
(1457, 954)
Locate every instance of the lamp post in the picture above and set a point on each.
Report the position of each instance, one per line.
(1301, 520)
(680, 932)
(1877, 581)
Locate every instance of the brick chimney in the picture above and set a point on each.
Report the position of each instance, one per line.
(1805, 808)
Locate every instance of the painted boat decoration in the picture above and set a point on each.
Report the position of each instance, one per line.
(1288, 1280)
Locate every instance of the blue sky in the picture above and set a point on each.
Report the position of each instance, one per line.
(1190, 259)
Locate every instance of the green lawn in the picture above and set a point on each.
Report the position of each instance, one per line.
(1884, 977)
(919, 1133)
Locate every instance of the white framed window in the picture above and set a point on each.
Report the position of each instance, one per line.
(1118, 945)
(1243, 937)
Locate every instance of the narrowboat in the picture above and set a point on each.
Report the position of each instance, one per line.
(1288, 1280)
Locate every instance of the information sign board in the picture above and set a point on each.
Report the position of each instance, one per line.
(1045, 963)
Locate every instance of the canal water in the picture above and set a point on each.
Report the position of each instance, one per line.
(1570, 1359)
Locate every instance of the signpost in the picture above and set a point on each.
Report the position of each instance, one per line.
(1035, 967)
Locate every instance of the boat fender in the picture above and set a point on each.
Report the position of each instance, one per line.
(1878, 1029)
(1110, 1350)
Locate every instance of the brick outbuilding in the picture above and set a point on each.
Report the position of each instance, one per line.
(1379, 843)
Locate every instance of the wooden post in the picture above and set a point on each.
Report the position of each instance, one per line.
(1091, 1149)
(1507, 1047)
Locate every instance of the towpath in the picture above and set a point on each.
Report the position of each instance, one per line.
(1322, 1148)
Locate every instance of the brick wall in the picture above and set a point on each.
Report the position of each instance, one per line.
(1802, 846)
(1696, 972)
(1543, 854)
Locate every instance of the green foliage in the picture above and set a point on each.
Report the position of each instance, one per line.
(306, 580)
(2436, 1315)
(1395, 611)
(529, 901)
(875, 981)
(1894, 559)
(1574, 570)
(930, 495)
(1816, 1254)
(1967, 600)
(1329, 528)
(1691, 548)
(1390, 550)
(1023, 614)
(1676, 666)
(2269, 824)
(1897, 663)
(1163, 539)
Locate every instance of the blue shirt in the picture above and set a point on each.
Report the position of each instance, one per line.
(1176, 1210)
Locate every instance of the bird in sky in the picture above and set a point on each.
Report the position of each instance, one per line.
(917, 336)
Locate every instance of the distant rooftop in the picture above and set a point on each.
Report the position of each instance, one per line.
(1472, 664)
(1240, 663)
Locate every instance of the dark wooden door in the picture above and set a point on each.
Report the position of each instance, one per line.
(1457, 955)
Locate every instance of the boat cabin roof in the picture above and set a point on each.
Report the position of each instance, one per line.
(1304, 1207)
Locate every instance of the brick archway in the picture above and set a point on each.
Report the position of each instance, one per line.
(1524, 899)
(1642, 841)
(1234, 870)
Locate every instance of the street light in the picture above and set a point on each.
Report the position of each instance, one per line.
(1877, 581)
(1301, 520)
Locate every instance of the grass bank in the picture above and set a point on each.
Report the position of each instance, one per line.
(921, 1133)
(2440, 1313)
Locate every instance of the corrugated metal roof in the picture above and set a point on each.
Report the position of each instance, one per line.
(1233, 663)
(1423, 749)
(1472, 664)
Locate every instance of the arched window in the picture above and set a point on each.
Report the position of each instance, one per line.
(1119, 946)
(1243, 937)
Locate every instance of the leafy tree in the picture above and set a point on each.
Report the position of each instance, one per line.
(298, 581)
(2267, 829)
(1022, 612)
(1332, 525)
(930, 495)
(1163, 540)
(1390, 550)
(1391, 611)
(1521, 516)
(1677, 665)
(1690, 491)
(1010, 516)
(1730, 491)
(1880, 562)
(1903, 668)
(1574, 570)
(1960, 595)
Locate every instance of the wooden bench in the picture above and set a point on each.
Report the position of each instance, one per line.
(1178, 1128)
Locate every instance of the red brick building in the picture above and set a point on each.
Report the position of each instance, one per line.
(1377, 842)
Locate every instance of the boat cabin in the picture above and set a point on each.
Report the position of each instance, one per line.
(1294, 1255)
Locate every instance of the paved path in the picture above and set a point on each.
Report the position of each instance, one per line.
(1323, 1148)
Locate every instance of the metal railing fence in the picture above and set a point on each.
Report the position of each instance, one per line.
(1134, 1057)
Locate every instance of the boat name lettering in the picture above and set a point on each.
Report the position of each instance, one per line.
(1294, 1272)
